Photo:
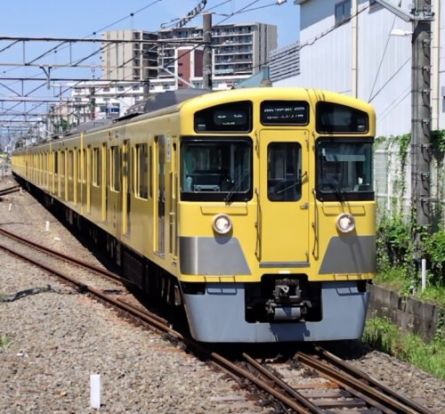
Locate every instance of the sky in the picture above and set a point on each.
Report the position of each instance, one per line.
(90, 18)
(61, 18)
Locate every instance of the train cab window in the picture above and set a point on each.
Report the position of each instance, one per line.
(344, 169)
(115, 169)
(284, 171)
(142, 163)
(216, 169)
(97, 168)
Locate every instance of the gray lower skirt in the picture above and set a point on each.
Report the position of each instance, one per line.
(218, 315)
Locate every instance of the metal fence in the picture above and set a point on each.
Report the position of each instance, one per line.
(392, 177)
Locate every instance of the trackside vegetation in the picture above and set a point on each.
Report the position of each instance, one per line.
(397, 230)
(396, 264)
(381, 334)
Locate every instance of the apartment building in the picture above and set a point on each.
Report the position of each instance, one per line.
(130, 61)
(239, 51)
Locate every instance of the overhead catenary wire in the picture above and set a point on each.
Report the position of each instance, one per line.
(117, 21)
(243, 9)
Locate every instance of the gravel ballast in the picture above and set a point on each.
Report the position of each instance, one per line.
(54, 341)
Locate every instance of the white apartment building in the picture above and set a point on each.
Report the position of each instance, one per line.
(239, 51)
(102, 99)
(359, 48)
(130, 61)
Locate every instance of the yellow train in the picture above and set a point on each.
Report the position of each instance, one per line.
(252, 208)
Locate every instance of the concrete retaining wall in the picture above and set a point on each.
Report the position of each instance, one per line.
(408, 313)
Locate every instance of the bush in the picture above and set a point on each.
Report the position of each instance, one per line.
(434, 250)
(394, 242)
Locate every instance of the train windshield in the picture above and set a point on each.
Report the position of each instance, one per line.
(216, 169)
(344, 169)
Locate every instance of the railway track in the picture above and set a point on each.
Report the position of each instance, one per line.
(343, 389)
(9, 190)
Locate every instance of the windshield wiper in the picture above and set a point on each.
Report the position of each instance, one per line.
(235, 188)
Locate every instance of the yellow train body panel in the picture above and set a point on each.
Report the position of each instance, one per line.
(229, 192)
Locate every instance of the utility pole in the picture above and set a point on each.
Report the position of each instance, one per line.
(207, 58)
(92, 103)
(421, 117)
(421, 17)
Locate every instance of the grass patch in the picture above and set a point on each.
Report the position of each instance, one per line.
(435, 294)
(4, 342)
(381, 334)
(394, 278)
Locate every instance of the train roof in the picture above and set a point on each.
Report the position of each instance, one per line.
(193, 99)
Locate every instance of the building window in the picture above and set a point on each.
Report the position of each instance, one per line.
(342, 11)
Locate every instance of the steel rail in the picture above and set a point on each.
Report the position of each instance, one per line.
(289, 397)
(286, 387)
(264, 386)
(147, 317)
(373, 397)
(335, 360)
(159, 325)
(9, 190)
(65, 257)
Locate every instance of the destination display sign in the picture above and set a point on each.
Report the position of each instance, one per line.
(284, 112)
(227, 117)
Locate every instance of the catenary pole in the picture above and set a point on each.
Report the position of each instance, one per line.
(207, 37)
(421, 119)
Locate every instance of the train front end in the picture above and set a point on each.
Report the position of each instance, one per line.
(276, 215)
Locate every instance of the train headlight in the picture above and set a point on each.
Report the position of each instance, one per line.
(345, 223)
(222, 224)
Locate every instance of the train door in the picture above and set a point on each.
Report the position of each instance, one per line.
(104, 182)
(125, 187)
(160, 227)
(172, 200)
(284, 199)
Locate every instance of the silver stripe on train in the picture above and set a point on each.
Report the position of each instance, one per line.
(350, 254)
(212, 256)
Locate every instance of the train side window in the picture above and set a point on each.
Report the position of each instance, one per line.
(56, 163)
(150, 169)
(284, 171)
(142, 163)
(79, 167)
(62, 163)
(70, 164)
(115, 169)
(97, 168)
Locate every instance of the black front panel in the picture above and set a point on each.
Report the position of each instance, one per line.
(236, 116)
(284, 113)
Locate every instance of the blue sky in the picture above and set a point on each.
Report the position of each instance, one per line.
(82, 18)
